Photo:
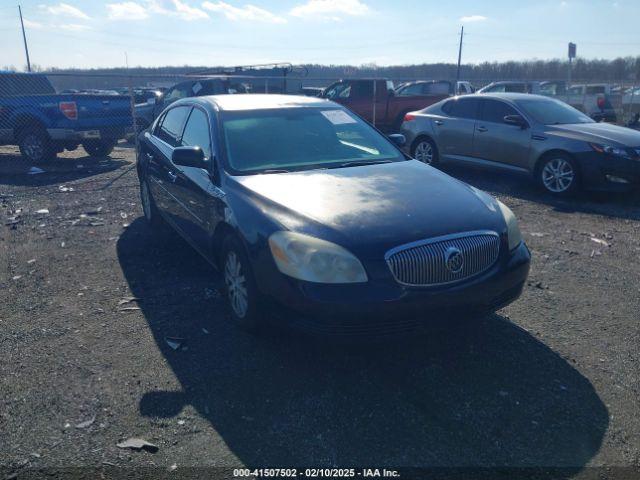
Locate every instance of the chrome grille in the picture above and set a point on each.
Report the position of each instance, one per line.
(425, 263)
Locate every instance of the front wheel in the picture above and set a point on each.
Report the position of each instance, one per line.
(99, 148)
(240, 286)
(558, 174)
(425, 150)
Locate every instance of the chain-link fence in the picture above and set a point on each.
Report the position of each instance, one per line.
(45, 114)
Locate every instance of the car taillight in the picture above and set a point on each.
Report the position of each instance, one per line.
(69, 110)
(601, 102)
(409, 117)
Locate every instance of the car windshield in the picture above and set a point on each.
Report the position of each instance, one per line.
(552, 112)
(288, 139)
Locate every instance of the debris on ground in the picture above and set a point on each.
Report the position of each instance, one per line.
(64, 188)
(138, 444)
(174, 342)
(126, 300)
(86, 423)
(43, 211)
(35, 171)
(205, 331)
(600, 241)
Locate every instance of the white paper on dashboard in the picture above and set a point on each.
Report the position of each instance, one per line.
(338, 117)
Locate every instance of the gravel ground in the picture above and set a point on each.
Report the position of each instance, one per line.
(88, 298)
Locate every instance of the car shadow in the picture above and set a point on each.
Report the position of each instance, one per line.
(15, 170)
(498, 182)
(498, 397)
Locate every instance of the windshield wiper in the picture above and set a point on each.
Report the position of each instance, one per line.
(274, 170)
(361, 163)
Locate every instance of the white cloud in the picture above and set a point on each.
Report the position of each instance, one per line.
(32, 24)
(72, 27)
(247, 12)
(473, 18)
(126, 11)
(178, 8)
(329, 9)
(66, 10)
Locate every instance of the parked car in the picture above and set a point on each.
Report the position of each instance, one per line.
(43, 123)
(388, 109)
(304, 206)
(197, 87)
(434, 87)
(311, 91)
(562, 148)
(511, 86)
(596, 100)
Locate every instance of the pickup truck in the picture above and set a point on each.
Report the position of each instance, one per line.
(388, 109)
(43, 123)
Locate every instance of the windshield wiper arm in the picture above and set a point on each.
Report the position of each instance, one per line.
(362, 163)
(274, 170)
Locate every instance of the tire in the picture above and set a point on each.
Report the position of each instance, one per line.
(425, 150)
(36, 145)
(240, 286)
(151, 213)
(99, 148)
(558, 175)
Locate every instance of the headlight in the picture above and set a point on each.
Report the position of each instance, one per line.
(314, 260)
(609, 150)
(513, 232)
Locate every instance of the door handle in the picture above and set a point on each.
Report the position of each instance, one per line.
(172, 176)
(482, 129)
(438, 122)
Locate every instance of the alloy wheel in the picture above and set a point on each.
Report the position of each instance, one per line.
(33, 146)
(558, 175)
(236, 285)
(424, 152)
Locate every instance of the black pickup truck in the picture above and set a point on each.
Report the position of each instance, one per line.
(43, 123)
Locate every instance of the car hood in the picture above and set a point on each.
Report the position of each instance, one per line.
(370, 209)
(599, 132)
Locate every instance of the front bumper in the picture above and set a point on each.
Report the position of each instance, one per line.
(384, 306)
(609, 173)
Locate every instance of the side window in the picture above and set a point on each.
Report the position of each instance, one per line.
(171, 126)
(436, 88)
(176, 93)
(362, 90)
(411, 89)
(495, 111)
(197, 132)
(497, 88)
(516, 88)
(463, 108)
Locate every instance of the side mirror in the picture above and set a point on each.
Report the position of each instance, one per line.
(399, 139)
(516, 120)
(189, 157)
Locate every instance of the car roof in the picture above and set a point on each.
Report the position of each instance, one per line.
(504, 96)
(262, 101)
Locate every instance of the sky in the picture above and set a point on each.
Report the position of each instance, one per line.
(89, 33)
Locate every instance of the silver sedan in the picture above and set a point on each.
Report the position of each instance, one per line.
(560, 147)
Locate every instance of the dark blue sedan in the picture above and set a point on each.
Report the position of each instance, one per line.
(308, 210)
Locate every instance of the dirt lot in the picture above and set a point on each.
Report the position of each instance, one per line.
(552, 380)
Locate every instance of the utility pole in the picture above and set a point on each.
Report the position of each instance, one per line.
(24, 37)
(459, 55)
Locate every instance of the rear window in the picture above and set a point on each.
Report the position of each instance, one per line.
(595, 89)
(462, 108)
(25, 84)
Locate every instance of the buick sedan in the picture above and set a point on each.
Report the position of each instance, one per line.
(313, 215)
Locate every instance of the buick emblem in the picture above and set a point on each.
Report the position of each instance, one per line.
(454, 260)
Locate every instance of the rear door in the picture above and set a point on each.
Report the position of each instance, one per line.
(162, 172)
(454, 133)
(498, 141)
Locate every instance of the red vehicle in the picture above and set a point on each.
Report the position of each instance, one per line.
(387, 111)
